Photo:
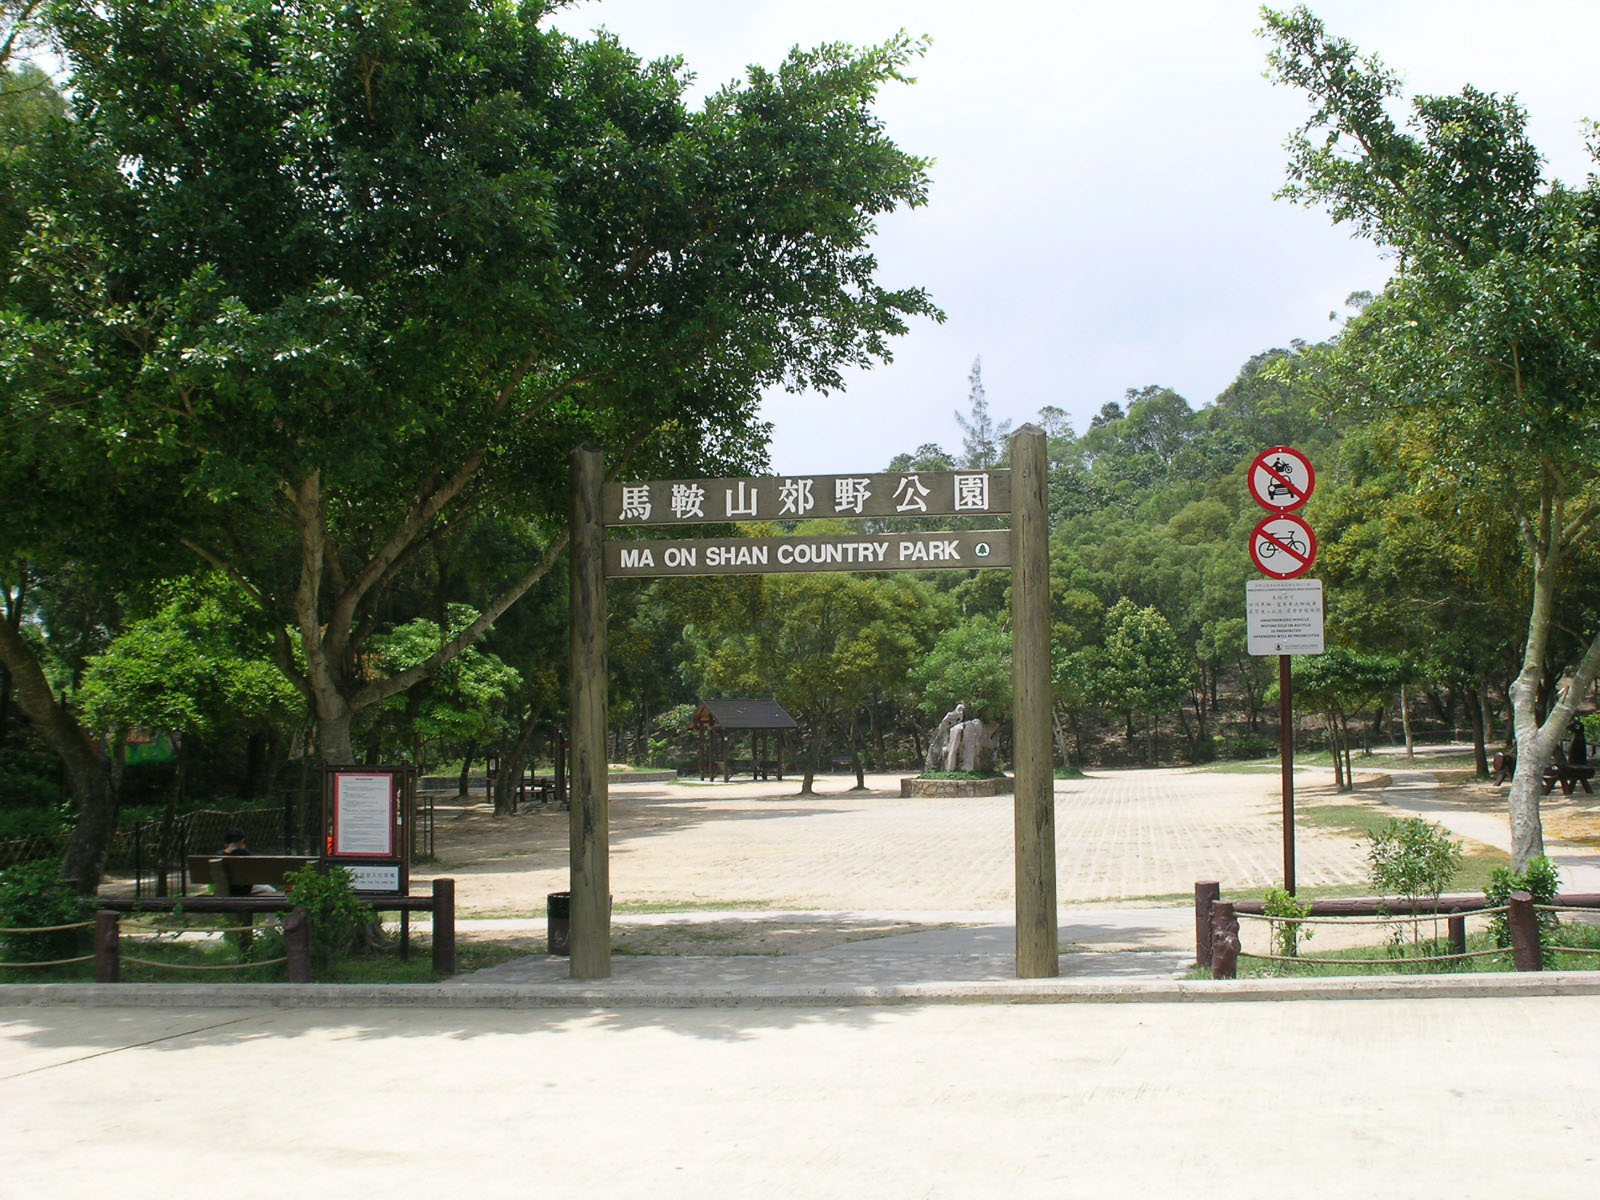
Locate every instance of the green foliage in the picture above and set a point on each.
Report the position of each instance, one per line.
(969, 664)
(197, 665)
(1142, 671)
(1541, 879)
(1286, 914)
(1339, 683)
(1412, 859)
(338, 918)
(1479, 352)
(1246, 747)
(33, 896)
(464, 700)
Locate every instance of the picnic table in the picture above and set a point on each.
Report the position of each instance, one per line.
(1570, 776)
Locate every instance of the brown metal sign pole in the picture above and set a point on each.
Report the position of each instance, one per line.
(589, 816)
(1038, 952)
(1286, 755)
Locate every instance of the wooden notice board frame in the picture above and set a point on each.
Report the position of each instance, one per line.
(366, 819)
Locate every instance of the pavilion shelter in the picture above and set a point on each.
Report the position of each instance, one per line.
(721, 723)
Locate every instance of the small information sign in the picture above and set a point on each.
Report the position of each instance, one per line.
(1284, 616)
(367, 878)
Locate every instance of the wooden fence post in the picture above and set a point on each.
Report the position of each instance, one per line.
(1523, 922)
(444, 926)
(297, 945)
(1224, 940)
(1206, 893)
(107, 949)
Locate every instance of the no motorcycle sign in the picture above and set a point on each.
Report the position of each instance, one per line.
(1281, 479)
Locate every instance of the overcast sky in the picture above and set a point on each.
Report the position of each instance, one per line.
(1101, 215)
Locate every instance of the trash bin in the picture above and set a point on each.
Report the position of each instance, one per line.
(558, 906)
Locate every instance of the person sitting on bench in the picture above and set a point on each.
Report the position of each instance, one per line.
(233, 843)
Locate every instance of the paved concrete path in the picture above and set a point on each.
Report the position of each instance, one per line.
(1337, 1099)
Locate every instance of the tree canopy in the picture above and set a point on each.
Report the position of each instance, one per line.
(1485, 344)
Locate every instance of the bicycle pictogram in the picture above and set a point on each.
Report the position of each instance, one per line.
(1290, 543)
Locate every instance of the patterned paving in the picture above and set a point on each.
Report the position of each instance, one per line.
(1120, 836)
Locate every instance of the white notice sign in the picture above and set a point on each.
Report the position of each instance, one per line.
(374, 879)
(363, 815)
(1284, 616)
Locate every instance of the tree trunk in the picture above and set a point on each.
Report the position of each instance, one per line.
(813, 755)
(1405, 721)
(333, 734)
(465, 778)
(87, 773)
(1477, 711)
(13, 620)
(512, 759)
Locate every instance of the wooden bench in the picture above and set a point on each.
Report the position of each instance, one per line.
(543, 786)
(236, 874)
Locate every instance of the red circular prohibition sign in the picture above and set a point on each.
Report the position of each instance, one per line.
(1281, 479)
(1283, 546)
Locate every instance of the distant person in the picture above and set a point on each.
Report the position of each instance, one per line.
(1579, 751)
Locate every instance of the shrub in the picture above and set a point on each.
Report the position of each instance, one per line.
(1414, 860)
(33, 895)
(1542, 881)
(1246, 747)
(338, 918)
(1286, 914)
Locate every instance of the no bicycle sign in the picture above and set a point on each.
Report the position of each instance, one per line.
(1283, 546)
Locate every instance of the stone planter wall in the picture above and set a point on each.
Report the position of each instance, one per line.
(913, 786)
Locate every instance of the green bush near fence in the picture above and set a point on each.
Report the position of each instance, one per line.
(32, 896)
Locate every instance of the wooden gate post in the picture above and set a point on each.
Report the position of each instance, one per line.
(1206, 893)
(1523, 921)
(1038, 953)
(589, 816)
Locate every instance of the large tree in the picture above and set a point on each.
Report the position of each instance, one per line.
(347, 275)
(1487, 337)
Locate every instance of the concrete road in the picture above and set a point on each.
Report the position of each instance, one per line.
(1335, 1098)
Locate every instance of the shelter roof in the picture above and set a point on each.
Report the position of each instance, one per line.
(742, 714)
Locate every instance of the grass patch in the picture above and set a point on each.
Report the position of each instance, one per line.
(1363, 820)
(1403, 959)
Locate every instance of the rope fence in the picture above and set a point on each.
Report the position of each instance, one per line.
(168, 966)
(51, 962)
(1415, 918)
(1531, 930)
(1561, 908)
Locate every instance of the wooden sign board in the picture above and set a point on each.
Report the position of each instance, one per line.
(808, 497)
(781, 555)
